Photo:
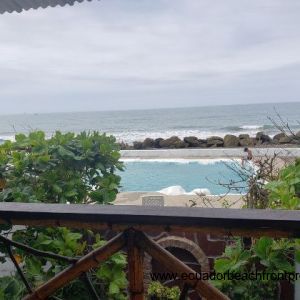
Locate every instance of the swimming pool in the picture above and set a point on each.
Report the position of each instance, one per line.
(155, 175)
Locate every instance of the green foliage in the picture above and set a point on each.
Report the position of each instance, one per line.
(265, 255)
(157, 291)
(11, 288)
(65, 168)
(112, 272)
(285, 192)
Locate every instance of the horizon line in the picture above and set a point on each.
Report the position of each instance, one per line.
(143, 109)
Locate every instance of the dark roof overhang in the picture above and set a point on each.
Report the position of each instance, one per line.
(10, 6)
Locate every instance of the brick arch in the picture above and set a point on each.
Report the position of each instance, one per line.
(177, 242)
(188, 245)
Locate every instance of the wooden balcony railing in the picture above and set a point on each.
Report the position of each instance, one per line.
(132, 222)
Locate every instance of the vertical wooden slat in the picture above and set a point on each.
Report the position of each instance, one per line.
(135, 268)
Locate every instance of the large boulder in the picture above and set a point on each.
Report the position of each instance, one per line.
(137, 145)
(244, 136)
(215, 141)
(192, 141)
(173, 142)
(277, 137)
(259, 135)
(246, 142)
(203, 143)
(253, 141)
(297, 138)
(263, 138)
(285, 140)
(157, 142)
(125, 146)
(231, 140)
(148, 143)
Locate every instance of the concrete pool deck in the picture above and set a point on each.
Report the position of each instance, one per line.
(135, 198)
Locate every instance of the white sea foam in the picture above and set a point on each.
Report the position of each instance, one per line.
(131, 136)
(199, 192)
(174, 190)
(177, 190)
(252, 127)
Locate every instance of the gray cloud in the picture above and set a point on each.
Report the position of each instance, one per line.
(141, 54)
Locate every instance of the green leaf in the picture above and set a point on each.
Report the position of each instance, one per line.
(71, 193)
(33, 266)
(104, 272)
(65, 153)
(46, 242)
(262, 247)
(57, 189)
(113, 288)
(119, 259)
(222, 265)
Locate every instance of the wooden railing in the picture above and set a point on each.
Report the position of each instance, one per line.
(132, 222)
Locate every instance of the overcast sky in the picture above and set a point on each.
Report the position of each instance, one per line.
(124, 54)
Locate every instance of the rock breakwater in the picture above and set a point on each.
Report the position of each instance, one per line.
(229, 141)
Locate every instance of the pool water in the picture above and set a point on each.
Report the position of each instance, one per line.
(156, 175)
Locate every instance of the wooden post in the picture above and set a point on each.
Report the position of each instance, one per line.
(135, 267)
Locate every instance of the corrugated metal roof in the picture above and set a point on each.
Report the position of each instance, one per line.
(21, 5)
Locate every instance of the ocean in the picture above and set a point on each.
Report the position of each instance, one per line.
(132, 125)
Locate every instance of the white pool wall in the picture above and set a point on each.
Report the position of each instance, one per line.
(206, 153)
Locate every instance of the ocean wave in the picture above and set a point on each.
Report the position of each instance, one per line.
(263, 127)
(248, 127)
(252, 127)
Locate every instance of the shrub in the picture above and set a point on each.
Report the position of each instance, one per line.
(157, 291)
(285, 192)
(265, 254)
(66, 168)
